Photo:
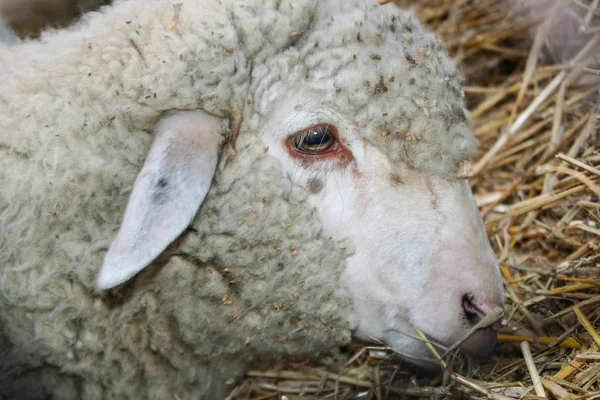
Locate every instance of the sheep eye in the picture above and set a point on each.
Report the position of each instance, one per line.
(315, 140)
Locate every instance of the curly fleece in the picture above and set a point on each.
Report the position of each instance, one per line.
(254, 278)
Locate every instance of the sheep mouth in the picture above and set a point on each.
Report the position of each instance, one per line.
(477, 345)
(481, 342)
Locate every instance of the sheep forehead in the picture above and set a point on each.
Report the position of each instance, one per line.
(384, 74)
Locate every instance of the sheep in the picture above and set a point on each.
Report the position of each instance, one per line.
(193, 189)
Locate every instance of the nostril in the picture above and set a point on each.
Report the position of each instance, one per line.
(472, 312)
(484, 337)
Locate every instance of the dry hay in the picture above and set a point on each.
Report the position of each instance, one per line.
(533, 74)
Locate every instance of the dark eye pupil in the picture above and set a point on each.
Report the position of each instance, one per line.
(316, 138)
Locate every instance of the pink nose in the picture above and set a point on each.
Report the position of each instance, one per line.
(476, 309)
(483, 340)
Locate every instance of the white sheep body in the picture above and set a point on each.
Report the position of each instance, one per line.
(78, 109)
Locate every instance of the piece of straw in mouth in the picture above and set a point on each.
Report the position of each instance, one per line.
(459, 378)
(491, 318)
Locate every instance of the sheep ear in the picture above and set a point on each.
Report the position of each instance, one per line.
(166, 195)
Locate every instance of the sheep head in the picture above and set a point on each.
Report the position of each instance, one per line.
(364, 112)
(376, 130)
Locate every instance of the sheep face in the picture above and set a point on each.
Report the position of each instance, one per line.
(422, 256)
(376, 132)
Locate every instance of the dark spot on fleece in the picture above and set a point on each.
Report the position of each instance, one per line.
(409, 137)
(434, 195)
(396, 179)
(459, 113)
(455, 115)
(411, 60)
(380, 86)
(315, 185)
